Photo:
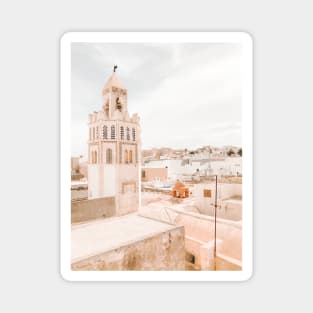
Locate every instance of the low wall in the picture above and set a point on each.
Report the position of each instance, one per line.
(163, 251)
(229, 210)
(203, 253)
(79, 194)
(85, 210)
(224, 191)
(224, 263)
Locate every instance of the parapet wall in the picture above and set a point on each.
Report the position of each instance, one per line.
(85, 210)
(227, 264)
(163, 251)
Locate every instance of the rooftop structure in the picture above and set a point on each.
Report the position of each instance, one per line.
(127, 243)
(180, 190)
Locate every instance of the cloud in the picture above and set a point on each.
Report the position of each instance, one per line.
(187, 95)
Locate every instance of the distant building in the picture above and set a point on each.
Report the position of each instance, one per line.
(149, 174)
(114, 150)
(75, 164)
(75, 169)
(198, 166)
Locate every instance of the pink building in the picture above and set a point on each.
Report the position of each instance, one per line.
(153, 173)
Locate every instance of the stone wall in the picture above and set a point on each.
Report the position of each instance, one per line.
(79, 193)
(85, 210)
(163, 251)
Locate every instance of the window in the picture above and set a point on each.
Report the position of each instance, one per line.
(126, 156)
(93, 157)
(190, 258)
(127, 133)
(134, 134)
(97, 132)
(112, 132)
(105, 132)
(130, 156)
(143, 174)
(122, 133)
(120, 154)
(89, 133)
(93, 133)
(109, 156)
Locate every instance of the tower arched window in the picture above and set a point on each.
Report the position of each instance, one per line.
(134, 134)
(97, 132)
(126, 156)
(93, 133)
(96, 157)
(112, 132)
(109, 156)
(127, 133)
(130, 156)
(105, 132)
(122, 132)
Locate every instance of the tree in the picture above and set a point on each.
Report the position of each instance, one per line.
(240, 152)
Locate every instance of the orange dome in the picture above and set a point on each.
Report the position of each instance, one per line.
(179, 185)
(180, 190)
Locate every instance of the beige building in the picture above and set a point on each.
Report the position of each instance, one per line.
(114, 145)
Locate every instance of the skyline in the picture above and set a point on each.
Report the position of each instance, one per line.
(168, 84)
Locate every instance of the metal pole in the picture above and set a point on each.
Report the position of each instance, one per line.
(215, 206)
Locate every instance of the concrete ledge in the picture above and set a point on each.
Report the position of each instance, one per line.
(236, 224)
(127, 243)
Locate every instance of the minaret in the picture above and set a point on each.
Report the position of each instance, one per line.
(114, 149)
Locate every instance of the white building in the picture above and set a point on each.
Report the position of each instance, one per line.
(114, 149)
(177, 168)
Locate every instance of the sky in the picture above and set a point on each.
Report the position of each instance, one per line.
(187, 95)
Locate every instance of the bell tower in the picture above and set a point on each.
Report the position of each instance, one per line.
(114, 149)
(114, 96)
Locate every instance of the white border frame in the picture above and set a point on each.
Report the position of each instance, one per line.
(65, 137)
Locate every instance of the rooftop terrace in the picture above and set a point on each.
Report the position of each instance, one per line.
(95, 237)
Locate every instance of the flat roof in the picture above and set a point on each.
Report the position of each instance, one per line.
(96, 237)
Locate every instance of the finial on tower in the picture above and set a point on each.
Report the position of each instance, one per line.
(114, 68)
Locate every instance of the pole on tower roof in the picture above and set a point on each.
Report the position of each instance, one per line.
(114, 68)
